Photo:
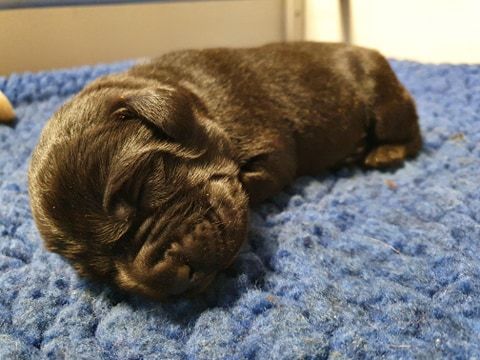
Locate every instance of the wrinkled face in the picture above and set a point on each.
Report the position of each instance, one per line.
(135, 186)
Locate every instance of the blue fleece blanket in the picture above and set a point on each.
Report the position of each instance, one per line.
(355, 264)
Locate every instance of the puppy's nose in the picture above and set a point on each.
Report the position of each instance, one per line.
(200, 282)
(180, 281)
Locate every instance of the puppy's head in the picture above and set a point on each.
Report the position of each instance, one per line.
(134, 185)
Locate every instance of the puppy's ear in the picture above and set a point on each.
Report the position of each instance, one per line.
(168, 111)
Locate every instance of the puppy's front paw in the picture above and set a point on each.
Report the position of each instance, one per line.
(257, 179)
(386, 156)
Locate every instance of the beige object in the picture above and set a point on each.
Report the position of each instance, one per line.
(7, 115)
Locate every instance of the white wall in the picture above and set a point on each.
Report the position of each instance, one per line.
(37, 39)
(322, 20)
(424, 30)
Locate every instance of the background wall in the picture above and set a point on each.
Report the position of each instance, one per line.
(37, 39)
(322, 20)
(424, 30)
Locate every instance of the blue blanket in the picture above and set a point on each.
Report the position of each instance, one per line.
(354, 264)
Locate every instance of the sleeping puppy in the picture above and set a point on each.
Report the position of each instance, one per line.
(143, 179)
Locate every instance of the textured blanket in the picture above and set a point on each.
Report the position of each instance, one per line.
(354, 264)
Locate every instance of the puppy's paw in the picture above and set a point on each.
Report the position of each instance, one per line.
(386, 156)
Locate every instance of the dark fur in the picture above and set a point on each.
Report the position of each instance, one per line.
(143, 179)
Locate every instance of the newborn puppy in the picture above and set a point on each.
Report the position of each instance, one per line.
(143, 179)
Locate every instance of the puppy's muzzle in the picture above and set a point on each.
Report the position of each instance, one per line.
(162, 268)
(187, 259)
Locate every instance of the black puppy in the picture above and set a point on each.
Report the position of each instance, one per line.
(144, 178)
